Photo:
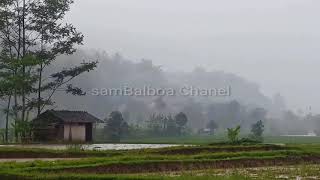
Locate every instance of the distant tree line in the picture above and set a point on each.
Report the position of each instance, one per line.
(159, 125)
(167, 125)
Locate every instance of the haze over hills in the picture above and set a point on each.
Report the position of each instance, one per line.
(244, 105)
(115, 71)
(267, 52)
(273, 43)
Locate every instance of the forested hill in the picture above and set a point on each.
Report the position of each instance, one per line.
(115, 71)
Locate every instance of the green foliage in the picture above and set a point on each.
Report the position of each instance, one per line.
(165, 125)
(32, 35)
(257, 131)
(161, 125)
(124, 129)
(75, 147)
(156, 124)
(142, 161)
(2, 135)
(171, 126)
(181, 120)
(22, 130)
(116, 127)
(233, 134)
(145, 138)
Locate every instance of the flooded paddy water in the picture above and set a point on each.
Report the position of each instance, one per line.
(96, 146)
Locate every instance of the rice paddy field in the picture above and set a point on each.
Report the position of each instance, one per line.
(199, 161)
(221, 137)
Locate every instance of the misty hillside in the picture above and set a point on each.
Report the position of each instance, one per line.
(115, 71)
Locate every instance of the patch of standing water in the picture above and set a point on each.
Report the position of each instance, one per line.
(98, 146)
(126, 146)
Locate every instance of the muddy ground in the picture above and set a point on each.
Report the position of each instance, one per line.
(149, 167)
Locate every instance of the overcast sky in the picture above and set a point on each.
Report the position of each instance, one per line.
(275, 43)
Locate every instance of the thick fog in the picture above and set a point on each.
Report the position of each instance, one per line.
(264, 54)
(275, 43)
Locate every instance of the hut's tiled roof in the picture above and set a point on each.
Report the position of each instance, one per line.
(75, 116)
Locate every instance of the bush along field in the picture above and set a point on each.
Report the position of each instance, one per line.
(216, 161)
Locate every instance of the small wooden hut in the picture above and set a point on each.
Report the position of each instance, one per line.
(67, 126)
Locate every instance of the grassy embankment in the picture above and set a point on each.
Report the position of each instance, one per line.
(196, 162)
(202, 140)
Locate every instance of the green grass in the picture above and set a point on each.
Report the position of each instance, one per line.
(157, 155)
(201, 140)
(292, 140)
(11, 152)
(286, 172)
(62, 176)
(195, 140)
(192, 157)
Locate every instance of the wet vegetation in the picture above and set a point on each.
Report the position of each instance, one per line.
(185, 162)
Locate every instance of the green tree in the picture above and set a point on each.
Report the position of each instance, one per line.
(233, 134)
(125, 129)
(116, 127)
(257, 130)
(171, 129)
(181, 120)
(2, 135)
(32, 35)
(6, 88)
(23, 130)
(157, 124)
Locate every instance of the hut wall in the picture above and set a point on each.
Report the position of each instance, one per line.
(78, 132)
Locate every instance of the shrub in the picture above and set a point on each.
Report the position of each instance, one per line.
(75, 147)
(257, 131)
(233, 134)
